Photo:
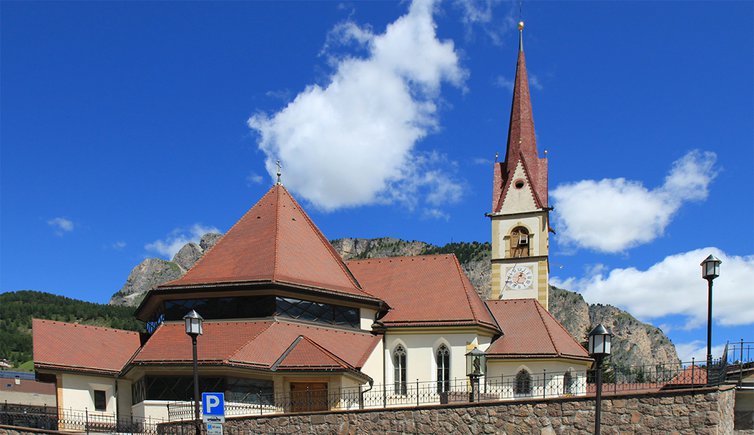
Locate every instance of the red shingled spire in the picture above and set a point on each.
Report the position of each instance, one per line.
(522, 142)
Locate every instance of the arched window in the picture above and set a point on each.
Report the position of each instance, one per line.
(567, 383)
(399, 363)
(523, 383)
(519, 242)
(443, 369)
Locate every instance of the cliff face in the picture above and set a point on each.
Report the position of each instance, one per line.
(154, 271)
(634, 342)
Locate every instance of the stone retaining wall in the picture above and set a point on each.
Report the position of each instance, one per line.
(700, 411)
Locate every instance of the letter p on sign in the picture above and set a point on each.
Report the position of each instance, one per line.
(213, 404)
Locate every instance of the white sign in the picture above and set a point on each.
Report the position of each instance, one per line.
(214, 429)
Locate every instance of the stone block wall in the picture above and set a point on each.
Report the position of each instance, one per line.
(701, 411)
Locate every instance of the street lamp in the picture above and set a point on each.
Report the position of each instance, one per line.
(475, 362)
(194, 329)
(710, 271)
(599, 347)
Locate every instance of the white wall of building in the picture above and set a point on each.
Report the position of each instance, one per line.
(78, 392)
(421, 348)
(501, 375)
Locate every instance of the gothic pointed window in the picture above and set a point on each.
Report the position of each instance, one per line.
(519, 242)
(567, 383)
(523, 383)
(399, 365)
(443, 369)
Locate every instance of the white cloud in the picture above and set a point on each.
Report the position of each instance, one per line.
(481, 14)
(674, 287)
(174, 241)
(61, 225)
(504, 82)
(481, 161)
(254, 178)
(612, 215)
(352, 141)
(698, 351)
(535, 82)
(119, 245)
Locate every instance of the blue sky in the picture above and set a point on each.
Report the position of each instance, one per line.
(128, 128)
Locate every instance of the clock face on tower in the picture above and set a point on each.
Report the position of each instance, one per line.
(519, 278)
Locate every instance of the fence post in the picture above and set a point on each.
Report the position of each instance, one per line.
(544, 383)
(693, 380)
(86, 412)
(259, 400)
(417, 391)
(741, 364)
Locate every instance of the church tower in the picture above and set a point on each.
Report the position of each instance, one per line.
(520, 214)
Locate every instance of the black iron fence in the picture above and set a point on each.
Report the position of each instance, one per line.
(52, 418)
(523, 385)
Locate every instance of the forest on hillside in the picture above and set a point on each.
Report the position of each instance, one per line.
(18, 308)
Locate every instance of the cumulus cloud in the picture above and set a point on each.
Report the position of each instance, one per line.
(119, 245)
(697, 350)
(61, 225)
(612, 215)
(674, 287)
(174, 241)
(481, 14)
(351, 141)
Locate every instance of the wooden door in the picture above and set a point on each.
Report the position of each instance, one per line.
(309, 396)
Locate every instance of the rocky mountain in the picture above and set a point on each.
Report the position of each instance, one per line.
(154, 271)
(634, 342)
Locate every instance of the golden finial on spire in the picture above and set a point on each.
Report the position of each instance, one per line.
(520, 36)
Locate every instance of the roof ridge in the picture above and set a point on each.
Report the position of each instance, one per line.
(400, 257)
(276, 244)
(333, 253)
(204, 254)
(329, 353)
(85, 325)
(539, 308)
(474, 315)
(560, 325)
(231, 355)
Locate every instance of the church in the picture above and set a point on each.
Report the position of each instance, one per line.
(289, 326)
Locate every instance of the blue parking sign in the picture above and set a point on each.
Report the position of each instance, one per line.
(213, 404)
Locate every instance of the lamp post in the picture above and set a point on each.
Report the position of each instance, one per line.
(599, 347)
(194, 329)
(710, 271)
(475, 364)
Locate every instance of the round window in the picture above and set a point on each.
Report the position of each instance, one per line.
(518, 184)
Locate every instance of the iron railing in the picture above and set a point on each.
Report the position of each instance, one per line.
(63, 419)
(544, 384)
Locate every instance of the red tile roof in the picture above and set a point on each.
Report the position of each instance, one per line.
(69, 346)
(530, 331)
(259, 344)
(275, 241)
(521, 145)
(430, 290)
(305, 354)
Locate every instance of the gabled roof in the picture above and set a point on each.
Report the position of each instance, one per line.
(521, 145)
(84, 348)
(305, 354)
(530, 331)
(266, 345)
(276, 242)
(429, 290)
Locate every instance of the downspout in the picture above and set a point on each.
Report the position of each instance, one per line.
(117, 403)
(384, 371)
(361, 394)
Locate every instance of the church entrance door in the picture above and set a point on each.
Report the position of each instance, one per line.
(308, 396)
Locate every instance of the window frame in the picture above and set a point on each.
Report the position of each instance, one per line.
(102, 396)
(442, 359)
(400, 379)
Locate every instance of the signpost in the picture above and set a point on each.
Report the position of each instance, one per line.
(213, 412)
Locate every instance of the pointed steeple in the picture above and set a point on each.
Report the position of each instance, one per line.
(521, 149)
